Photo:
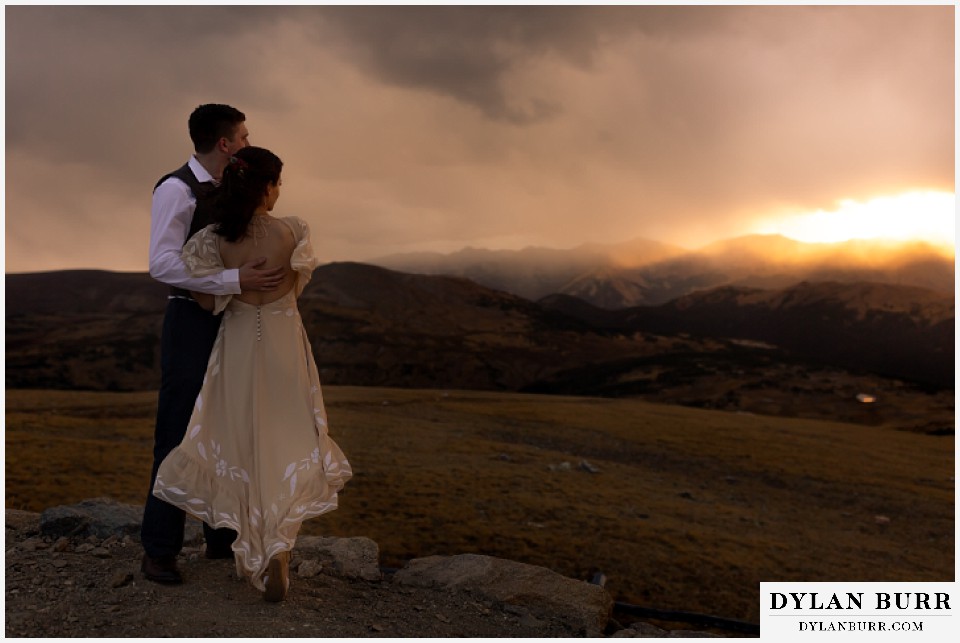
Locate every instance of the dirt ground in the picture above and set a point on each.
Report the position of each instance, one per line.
(95, 589)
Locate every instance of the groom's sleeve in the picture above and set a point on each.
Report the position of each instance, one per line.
(170, 216)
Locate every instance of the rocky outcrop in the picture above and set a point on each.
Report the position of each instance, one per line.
(531, 591)
(94, 542)
(102, 517)
(346, 557)
(586, 608)
(69, 587)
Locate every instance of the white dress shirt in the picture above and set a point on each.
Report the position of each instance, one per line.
(170, 217)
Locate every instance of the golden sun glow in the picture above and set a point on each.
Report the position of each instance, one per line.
(911, 216)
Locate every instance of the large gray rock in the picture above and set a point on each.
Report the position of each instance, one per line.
(357, 557)
(102, 517)
(581, 606)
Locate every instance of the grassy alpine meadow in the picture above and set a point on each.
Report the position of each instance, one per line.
(680, 508)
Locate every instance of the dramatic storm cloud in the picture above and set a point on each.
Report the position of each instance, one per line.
(411, 128)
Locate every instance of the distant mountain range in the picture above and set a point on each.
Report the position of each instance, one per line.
(647, 273)
(374, 326)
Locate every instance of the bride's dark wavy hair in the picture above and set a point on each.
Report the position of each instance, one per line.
(244, 185)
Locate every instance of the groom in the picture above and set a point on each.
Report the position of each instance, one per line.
(182, 205)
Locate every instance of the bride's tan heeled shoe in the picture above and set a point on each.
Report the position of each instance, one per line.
(277, 578)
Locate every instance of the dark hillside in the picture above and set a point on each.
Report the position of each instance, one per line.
(807, 349)
(897, 331)
(374, 326)
(82, 292)
(368, 325)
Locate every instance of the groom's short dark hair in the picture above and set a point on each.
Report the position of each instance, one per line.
(209, 123)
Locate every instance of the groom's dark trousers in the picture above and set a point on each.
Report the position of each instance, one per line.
(187, 338)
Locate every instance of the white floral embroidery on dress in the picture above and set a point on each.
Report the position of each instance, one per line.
(266, 524)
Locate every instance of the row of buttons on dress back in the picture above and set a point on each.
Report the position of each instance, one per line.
(289, 312)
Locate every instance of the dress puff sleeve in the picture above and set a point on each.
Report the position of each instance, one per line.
(201, 255)
(303, 261)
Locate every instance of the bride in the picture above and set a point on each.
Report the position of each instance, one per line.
(257, 456)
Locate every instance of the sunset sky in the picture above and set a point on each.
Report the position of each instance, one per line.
(434, 128)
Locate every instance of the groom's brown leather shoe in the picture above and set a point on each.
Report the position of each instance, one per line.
(161, 570)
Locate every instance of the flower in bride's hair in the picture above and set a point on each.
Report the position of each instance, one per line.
(238, 165)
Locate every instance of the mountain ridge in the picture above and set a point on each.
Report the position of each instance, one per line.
(644, 272)
(378, 327)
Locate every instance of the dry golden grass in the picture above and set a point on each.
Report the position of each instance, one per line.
(691, 508)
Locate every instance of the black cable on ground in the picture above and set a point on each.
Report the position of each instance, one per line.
(703, 620)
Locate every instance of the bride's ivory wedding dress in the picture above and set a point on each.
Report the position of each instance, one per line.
(256, 456)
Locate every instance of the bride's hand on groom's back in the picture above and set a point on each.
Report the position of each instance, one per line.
(254, 277)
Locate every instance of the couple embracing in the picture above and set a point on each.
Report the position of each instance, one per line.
(241, 438)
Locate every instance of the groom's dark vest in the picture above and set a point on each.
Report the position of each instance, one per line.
(203, 215)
